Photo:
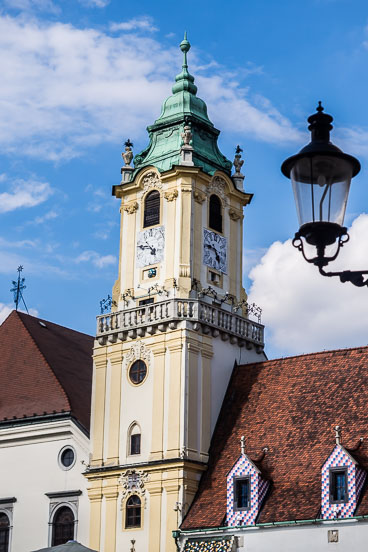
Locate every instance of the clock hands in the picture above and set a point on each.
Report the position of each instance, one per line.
(153, 249)
(215, 250)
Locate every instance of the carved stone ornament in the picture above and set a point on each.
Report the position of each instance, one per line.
(138, 351)
(131, 208)
(171, 195)
(218, 186)
(234, 215)
(199, 197)
(151, 181)
(132, 482)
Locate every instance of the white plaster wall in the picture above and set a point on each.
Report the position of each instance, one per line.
(352, 537)
(29, 468)
(222, 364)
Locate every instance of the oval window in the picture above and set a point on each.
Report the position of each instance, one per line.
(67, 458)
(137, 372)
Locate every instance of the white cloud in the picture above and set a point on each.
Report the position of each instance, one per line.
(50, 215)
(33, 5)
(100, 261)
(235, 112)
(95, 3)
(65, 89)
(137, 23)
(5, 310)
(24, 193)
(304, 311)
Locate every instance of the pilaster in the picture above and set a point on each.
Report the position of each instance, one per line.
(95, 498)
(115, 359)
(154, 487)
(175, 401)
(157, 444)
(100, 367)
(110, 493)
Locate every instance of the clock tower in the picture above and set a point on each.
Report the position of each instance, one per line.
(164, 355)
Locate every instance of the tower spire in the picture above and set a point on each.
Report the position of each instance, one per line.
(185, 81)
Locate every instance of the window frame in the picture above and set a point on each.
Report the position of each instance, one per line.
(132, 382)
(148, 194)
(221, 214)
(57, 501)
(132, 436)
(237, 479)
(332, 484)
(6, 507)
(126, 506)
(61, 452)
(6, 530)
(53, 523)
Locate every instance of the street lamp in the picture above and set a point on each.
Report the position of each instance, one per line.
(321, 174)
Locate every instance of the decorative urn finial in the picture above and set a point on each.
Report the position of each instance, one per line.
(128, 154)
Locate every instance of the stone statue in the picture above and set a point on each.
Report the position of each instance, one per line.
(238, 162)
(187, 134)
(128, 154)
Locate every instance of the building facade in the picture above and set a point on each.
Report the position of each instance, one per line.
(46, 373)
(164, 355)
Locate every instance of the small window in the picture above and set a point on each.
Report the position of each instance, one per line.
(4, 532)
(137, 372)
(135, 444)
(338, 486)
(241, 493)
(152, 209)
(62, 526)
(215, 218)
(133, 512)
(67, 458)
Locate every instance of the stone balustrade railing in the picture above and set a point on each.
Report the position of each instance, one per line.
(167, 314)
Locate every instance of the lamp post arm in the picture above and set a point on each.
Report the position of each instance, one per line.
(353, 276)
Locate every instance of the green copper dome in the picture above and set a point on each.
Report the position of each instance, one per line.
(182, 108)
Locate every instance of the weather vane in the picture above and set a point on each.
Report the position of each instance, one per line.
(18, 287)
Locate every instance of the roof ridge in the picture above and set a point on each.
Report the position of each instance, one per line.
(324, 352)
(44, 358)
(53, 323)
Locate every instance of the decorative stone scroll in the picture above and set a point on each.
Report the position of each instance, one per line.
(131, 208)
(217, 186)
(132, 482)
(199, 197)
(151, 181)
(138, 351)
(171, 195)
(234, 215)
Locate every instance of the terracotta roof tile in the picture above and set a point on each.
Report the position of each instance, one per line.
(45, 368)
(290, 405)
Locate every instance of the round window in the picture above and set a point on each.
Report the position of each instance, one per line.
(67, 458)
(137, 372)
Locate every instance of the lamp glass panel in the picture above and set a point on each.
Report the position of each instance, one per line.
(321, 187)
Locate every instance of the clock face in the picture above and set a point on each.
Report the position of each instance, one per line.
(150, 246)
(214, 250)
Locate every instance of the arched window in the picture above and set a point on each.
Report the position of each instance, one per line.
(135, 439)
(133, 512)
(152, 209)
(215, 218)
(62, 526)
(4, 532)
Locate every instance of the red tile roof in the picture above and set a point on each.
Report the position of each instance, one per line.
(45, 369)
(291, 406)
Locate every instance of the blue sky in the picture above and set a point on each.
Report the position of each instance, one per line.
(80, 77)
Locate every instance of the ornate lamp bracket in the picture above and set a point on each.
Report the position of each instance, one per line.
(353, 276)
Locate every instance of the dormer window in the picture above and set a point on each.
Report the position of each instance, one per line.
(215, 215)
(246, 490)
(152, 209)
(338, 486)
(241, 493)
(342, 480)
